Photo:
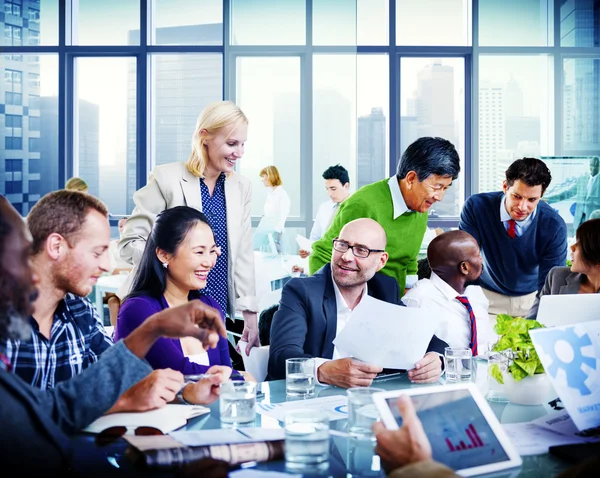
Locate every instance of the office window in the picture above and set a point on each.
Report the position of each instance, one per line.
(516, 22)
(106, 23)
(581, 105)
(12, 35)
(105, 151)
(334, 22)
(187, 22)
(264, 22)
(34, 145)
(34, 123)
(431, 22)
(579, 23)
(182, 86)
(516, 101)
(433, 104)
(13, 174)
(272, 102)
(13, 143)
(34, 38)
(34, 80)
(372, 22)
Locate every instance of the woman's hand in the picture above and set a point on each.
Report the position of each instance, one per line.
(206, 391)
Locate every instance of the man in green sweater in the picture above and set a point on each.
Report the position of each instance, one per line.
(400, 204)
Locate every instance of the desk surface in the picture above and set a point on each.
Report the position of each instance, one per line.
(341, 449)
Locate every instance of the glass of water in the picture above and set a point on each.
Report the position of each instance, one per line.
(306, 441)
(459, 364)
(362, 412)
(300, 377)
(237, 400)
(496, 391)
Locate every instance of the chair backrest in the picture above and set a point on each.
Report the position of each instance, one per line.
(258, 360)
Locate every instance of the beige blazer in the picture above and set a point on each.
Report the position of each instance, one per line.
(173, 185)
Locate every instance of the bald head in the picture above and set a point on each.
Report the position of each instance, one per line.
(364, 231)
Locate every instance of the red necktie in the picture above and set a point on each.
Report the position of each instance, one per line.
(473, 343)
(512, 228)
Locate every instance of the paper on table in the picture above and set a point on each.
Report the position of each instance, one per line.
(166, 419)
(387, 335)
(304, 242)
(220, 436)
(335, 406)
(561, 422)
(531, 439)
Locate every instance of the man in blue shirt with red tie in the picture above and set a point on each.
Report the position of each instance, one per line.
(520, 238)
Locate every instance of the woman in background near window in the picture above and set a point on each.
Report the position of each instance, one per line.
(583, 277)
(76, 184)
(207, 182)
(177, 259)
(276, 210)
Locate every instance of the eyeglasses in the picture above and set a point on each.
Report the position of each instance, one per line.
(358, 251)
(112, 434)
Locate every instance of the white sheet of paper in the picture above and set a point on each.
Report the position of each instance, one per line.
(387, 335)
(219, 436)
(166, 419)
(561, 422)
(531, 439)
(335, 406)
(304, 242)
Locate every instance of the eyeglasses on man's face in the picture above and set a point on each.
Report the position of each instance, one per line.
(361, 252)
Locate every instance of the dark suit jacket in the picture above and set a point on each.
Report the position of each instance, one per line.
(306, 322)
(36, 423)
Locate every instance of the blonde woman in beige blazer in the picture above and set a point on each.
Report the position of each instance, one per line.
(217, 144)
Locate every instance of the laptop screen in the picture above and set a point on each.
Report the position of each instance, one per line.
(460, 435)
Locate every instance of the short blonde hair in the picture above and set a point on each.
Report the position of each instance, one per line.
(213, 118)
(76, 184)
(272, 173)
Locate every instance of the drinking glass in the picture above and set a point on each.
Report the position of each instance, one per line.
(237, 400)
(306, 441)
(496, 391)
(300, 377)
(459, 364)
(362, 412)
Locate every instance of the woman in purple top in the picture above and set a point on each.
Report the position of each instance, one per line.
(178, 256)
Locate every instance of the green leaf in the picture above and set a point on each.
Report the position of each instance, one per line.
(528, 366)
(517, 372)
(496, 373)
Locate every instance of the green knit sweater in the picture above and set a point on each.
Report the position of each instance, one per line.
(404, 234)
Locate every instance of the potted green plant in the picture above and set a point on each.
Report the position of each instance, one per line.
(525, 380)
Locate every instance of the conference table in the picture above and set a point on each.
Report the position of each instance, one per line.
(345, 452)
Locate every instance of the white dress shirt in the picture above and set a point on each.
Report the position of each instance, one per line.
(455, 324)
(398, 201)
(343, 316)
(325, 215)
(522, 226)
(277, 208)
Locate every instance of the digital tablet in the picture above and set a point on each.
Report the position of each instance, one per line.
(465, 434)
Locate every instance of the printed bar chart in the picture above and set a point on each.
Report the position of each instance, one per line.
(473, 438)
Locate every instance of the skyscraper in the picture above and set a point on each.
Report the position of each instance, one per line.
(371, 163)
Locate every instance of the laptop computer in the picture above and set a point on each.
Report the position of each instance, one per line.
(566, 309)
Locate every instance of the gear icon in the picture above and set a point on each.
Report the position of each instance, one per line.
(576, 377)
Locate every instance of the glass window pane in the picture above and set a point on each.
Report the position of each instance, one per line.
(515, 113)
(21, 24)
(433, 104)
(516, 23)
(109, 22)
(373, 22)
(433, 22)
(581, 108)
(579, 23)
(373, 113)
(188, 22)
(334, 119)
(272, 104)
(334, 22)
(182, 85)
(264, 22)
(28, 130)
(105, 128)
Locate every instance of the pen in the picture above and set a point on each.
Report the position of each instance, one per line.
(199, 376)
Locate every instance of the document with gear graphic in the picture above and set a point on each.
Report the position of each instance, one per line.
(570, 355)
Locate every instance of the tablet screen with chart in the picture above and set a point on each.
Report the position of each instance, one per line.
(460, 435)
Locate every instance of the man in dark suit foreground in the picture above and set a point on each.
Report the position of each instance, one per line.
(313, 310)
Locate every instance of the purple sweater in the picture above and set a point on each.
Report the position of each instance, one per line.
(167, 353)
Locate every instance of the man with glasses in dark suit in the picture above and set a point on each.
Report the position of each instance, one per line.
(313, 310)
